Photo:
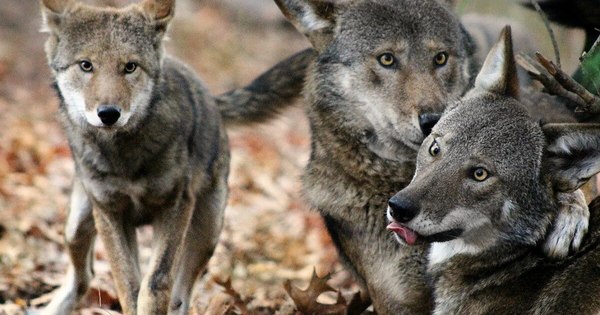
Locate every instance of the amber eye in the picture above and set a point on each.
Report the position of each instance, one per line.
(130, 67)
(480, 174)
(86, 66)
(434, 149)
(387, 60)
(441, 58)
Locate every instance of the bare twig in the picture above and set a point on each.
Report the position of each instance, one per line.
(550, 31)
(539, 73)
(591, 102)
(557, 82)
(238, 302)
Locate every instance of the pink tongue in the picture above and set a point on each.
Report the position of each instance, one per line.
(408, 235)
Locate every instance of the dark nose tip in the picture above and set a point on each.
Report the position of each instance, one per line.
(108, 114)
(403, 209)
(427, 121)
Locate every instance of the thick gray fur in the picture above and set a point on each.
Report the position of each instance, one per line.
(164, 161)
(364, 122)
(494, 264)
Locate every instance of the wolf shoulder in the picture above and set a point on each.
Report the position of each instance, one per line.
(179, 86)
(186, 93)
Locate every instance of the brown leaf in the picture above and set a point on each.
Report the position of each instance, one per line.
(21, 302)
(220, 304)
(306, 300)
(238, 302)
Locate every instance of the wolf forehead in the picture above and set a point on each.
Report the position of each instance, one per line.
(497, 129)
(397, 20)
(89, 30)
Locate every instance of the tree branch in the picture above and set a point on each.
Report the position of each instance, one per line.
(557, 82)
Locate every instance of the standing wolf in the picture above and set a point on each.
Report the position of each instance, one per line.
(483, 193)
(383, 70)
(149, 148)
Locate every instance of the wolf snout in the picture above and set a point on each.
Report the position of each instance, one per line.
(109, 114)
(427, 121)
(402, 209)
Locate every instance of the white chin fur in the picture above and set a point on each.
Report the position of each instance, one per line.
(480, 239)
(441, 252)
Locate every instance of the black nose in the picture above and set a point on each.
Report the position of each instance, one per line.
(403, 209)
(109, 114)
(427, 121)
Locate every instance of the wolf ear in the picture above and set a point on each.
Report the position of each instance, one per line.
(161, 11)
(572, 154)
(499, 71)
(314, 18)
(53, 12)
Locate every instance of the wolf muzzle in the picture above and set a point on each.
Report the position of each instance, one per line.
(427, 121)
(108, 114)
(402, 209)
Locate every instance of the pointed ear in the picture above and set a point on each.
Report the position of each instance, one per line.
(572, 154)
(160, 11)
(53, 12)
(499, 71)
(314, 18)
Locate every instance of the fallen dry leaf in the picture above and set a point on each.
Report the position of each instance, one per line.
(237, 301)
(306, 300)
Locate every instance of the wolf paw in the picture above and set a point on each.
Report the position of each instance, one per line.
(570, 226)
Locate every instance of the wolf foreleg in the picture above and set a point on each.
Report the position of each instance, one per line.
(79, 240)
(200, 241)
(121, 246)
(169, 230)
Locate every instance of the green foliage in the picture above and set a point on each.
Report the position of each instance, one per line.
(588, 73)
